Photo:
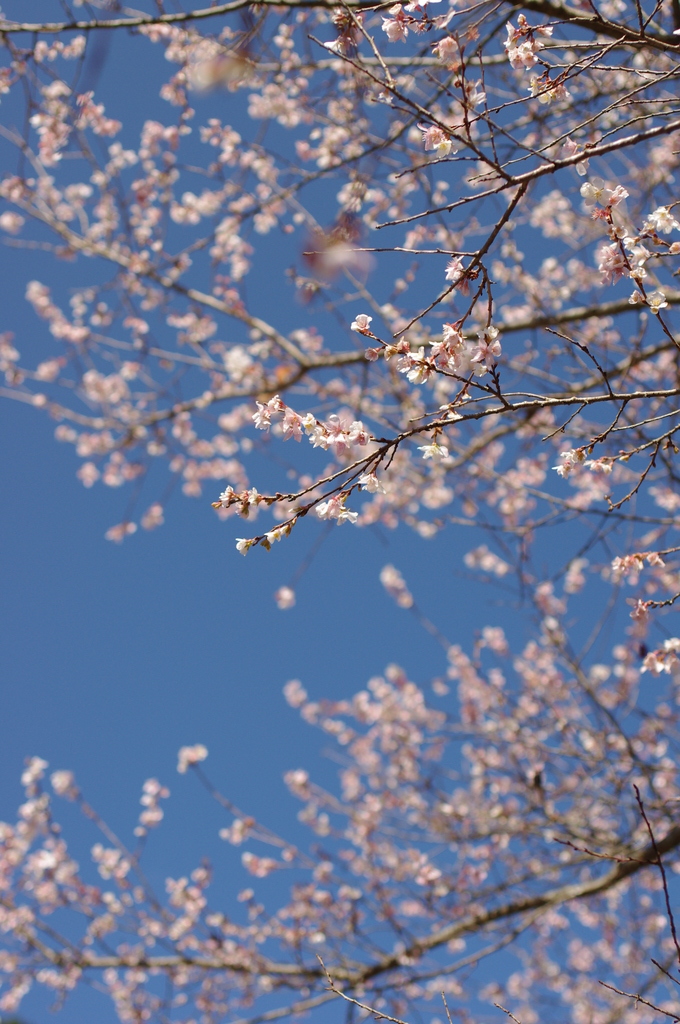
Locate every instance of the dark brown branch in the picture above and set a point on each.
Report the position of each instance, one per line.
(564, 894)
(55, 27)
(552, 10)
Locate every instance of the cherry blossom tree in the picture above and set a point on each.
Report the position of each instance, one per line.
(472, 209)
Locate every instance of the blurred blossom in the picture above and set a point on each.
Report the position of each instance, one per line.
(64, 784)
(190, 755)
(330, 253)
(285, 597)
(395, 585)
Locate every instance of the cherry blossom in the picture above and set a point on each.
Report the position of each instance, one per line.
(454, 270)
(656, 301)
(153, 793)
(190, 755)
(662, 220)
(414, 365)
(487, 561)
(570, 459)
(63, 783)
(434, 138)
(420, 5)
(434, 450)
(11, 222)
(595, 191)
(396, 26)
(487, 349)
(511, 233)
(571, 148)
(361, 323)
(663, 659)
(547, 90)
(394, 584)
(334, 508)
(448, 51)
(285, 598)
(521, 45)
(611, 262)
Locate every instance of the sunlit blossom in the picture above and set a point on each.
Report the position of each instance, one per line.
(434, 450)
(361, 323)
(661, 219)
(657, 301)
(395, 26)
(334, 508)
(435, 138)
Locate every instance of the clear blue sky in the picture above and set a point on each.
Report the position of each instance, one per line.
(115, 656)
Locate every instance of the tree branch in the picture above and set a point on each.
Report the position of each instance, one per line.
(646, 857)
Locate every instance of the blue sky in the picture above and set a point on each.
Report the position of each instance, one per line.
(115, 656)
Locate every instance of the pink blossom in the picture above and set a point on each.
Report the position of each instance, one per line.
(618, 195)
(260, 867)
(575, 580)
(488, 348)
(92, 116)
(396, 26)
(152, 794)
(11, 222)
(487, 561)
(88, 474)
(190, 755)
(640, 612)
(547, 90)
(415, 366)
(661, 219)
(611, 263)
(595, 191)
(434, 450)
(521, 51)
(338, 434)
(664, 659)
(237, 833)
(448, 51)
(420, 5)
(361, 323)
(454, 270)
(452, 336)
(111, 863)
(570, 459)
(63, 784)
(334, 508)
(49, 370)
(33, 773)
(657, 301)
(285, 598)
(427, 874)
(262, 418)
(434, 138)
(153, 517)
(119, 532)
(292, 425)
(394, 584)
(371, 483)
(295, 693)
(571, 148)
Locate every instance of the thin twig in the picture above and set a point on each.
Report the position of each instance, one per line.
(662, 869)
